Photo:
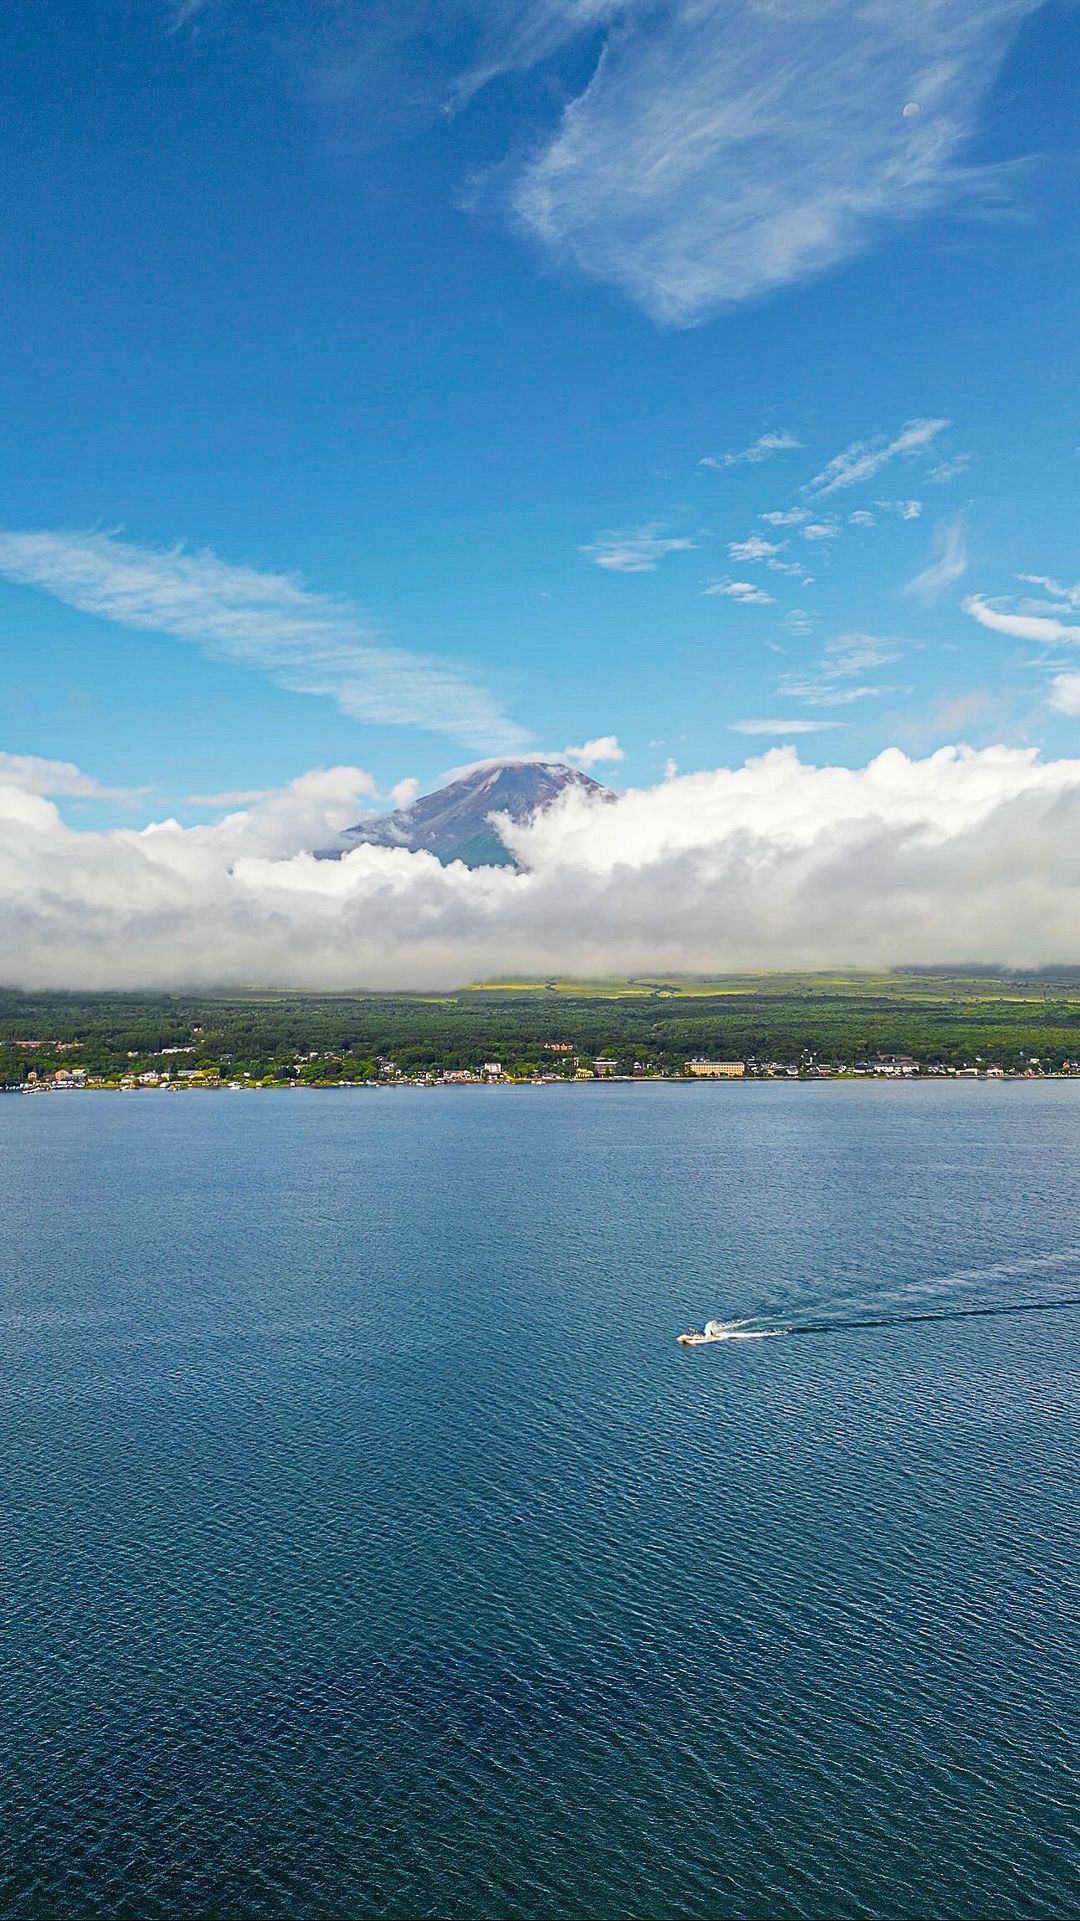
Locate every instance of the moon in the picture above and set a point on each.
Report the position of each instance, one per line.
(911, 110)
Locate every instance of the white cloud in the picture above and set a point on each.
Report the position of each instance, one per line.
(946, 470)
(33, 775)
(722, 149)
(856, 653)
(603, 750)
(761, 449)
(592, 753)
(794, 568)
(962, 855)
(304, 641)
(906, 509)
(404, 792)
(746, 592)
(949, 565)
(821, 530)
(799, 621)
(865, 458)
(754, 548)
(1019, 625)
(783, 728)
(786, 517)
(1069, 595)
(1065, 694)
(636, 552)
(833, 680)
(1021, 618)
(860, 518)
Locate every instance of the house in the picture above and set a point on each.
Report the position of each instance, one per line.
(603, 1068)
(716, 1070)
(491, 1071)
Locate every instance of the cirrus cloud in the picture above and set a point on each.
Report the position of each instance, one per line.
(636, 551)
(306, 642)
(722, 150)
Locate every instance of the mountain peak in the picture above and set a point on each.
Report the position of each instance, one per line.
(454, 824)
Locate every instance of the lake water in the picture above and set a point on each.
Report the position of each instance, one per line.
(371, 1548)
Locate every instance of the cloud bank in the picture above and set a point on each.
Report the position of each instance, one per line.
(304, 641)
(963, 855)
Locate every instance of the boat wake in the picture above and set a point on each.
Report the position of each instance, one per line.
(853, 1323)
(716, 1331)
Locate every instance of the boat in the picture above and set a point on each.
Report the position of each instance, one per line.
(713, 1331)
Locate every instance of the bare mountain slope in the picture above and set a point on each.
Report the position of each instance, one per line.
(454, 823)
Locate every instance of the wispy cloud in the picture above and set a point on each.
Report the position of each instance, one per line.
(746, 592)
(638, 551)
(947, 470)
(786, 516)
(821, 530)
(186, 11)
(1025, 619)
(722, 150)
(905, 509)
(1065, 694)
(304, 641)
(835, 678)
(784, 728)
(1064, 596)
(864, 458)
(761, 449)
(949, 564)
(754, 548)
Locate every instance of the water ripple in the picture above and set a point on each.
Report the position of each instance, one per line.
(370, 1549)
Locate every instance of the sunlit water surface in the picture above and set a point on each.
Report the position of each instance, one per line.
(372, 1549)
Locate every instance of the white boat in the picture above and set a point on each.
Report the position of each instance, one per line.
(713, 1331)
(717, 1331)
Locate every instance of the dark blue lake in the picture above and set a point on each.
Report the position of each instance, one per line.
(370, 1548)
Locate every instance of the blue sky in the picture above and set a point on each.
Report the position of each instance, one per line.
(396, 385)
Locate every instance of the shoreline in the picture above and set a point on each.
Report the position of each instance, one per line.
(610, 1080)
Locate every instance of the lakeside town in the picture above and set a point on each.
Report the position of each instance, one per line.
(898, 1027)
(172, 1071)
